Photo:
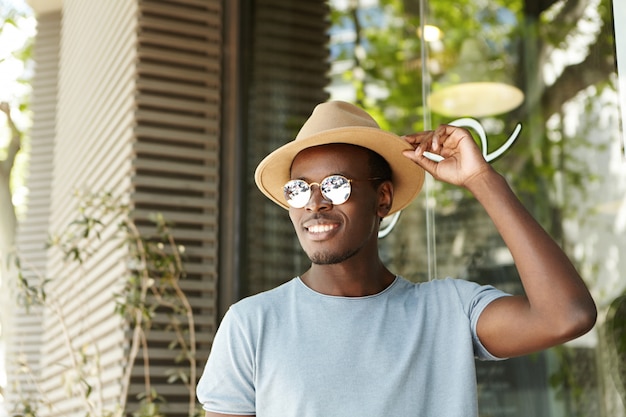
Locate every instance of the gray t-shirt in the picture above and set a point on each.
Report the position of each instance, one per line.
(293, 352)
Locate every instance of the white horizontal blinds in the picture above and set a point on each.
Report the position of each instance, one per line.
(92, 149)
(287, 74)
(176, 164)
(23, 329)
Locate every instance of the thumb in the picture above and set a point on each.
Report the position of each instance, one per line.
(429, 163)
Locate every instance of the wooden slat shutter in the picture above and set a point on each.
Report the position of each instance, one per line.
(176, 163)
(287, 76)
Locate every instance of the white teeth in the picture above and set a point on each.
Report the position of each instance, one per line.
(321, 228)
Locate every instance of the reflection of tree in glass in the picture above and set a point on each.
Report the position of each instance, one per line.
(542, 39)
(616, 332)
(560, 52)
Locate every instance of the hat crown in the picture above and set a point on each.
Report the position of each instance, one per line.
(335, 115)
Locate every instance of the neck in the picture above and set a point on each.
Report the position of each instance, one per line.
(349, 279)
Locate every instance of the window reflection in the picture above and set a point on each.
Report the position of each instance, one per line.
(568, 165)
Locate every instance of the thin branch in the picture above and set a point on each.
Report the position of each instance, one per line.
(72, 354)
(536, 7)
(138, 333)
(146, 366)
(595, 68)
(15, 144)
(192, 329)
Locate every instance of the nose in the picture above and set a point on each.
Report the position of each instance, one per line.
(317, 202)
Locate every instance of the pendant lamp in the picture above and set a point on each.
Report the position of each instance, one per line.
(477, 86)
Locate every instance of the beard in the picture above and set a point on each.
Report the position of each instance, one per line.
(331, 258)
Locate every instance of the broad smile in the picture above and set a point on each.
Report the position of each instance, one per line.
(321, 228)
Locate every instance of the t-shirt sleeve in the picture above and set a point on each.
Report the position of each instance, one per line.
(227, 383)
(475, 298)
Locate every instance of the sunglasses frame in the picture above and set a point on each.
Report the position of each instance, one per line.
(320, 186)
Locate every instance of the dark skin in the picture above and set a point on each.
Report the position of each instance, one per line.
(347, 232)
(556, 307)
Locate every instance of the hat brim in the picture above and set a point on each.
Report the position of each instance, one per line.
(274, 171)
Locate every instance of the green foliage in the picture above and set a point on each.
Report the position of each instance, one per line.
(152, 286)
(149, 405)
(387, 57)
(616, 335)
(548, 167)
(26, 409)
(564, 380)
(16, 91)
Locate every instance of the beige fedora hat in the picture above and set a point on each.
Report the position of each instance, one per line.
(341, 122)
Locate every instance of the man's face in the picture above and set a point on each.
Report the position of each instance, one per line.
(331, 234)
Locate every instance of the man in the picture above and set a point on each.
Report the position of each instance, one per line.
(350, 338)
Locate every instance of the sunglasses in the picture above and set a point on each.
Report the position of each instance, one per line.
(334, 188)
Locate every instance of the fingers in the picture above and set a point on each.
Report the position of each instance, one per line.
(421, 154)
(433, 146)
(423, 141)
(427, 141)
(424, 144)
(445, 136)
(429, 163)
(417, 138)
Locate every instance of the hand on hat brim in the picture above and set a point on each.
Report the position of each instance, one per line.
(448, 153)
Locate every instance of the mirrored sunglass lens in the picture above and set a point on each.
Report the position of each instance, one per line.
(336, 188)
(297, 193)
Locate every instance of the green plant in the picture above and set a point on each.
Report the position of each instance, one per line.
(615, 329)
(151, 287)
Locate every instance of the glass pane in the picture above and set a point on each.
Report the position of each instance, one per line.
(551, 69)
(284, 55)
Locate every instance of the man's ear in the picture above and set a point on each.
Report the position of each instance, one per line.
(385, 198)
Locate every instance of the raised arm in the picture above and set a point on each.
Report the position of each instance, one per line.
(557, 306)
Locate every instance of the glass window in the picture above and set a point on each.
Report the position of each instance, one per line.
(494, 66)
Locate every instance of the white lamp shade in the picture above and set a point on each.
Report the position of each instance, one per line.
(478, 85)
(475, 99)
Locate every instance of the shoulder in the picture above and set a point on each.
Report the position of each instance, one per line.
(466, 294)
(452, 286)
(456, 286)
(269, 300)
